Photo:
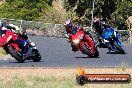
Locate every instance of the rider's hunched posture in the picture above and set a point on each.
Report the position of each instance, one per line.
(69, 26)
(68, 29)
(4, 26)
(99, 26)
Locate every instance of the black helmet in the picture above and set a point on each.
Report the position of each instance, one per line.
(96, 21)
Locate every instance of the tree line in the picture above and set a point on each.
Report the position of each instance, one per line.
(24, 9)
(116, 11)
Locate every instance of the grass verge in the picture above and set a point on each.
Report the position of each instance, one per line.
(54, 78)
(2, 52)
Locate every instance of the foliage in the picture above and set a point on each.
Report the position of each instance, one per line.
(34, 10)
(115, 10)
(24, 9)
(2, 52)
(53, 16)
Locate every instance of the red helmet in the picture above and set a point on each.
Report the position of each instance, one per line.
(68, 25)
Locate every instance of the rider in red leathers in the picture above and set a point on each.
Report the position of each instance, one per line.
(69, 27)
(4, 27)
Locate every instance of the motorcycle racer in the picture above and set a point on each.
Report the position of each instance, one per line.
(5, 25)
(15, 29)
(69, 27)
(99, 26)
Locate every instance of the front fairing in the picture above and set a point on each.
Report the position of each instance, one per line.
(77, 38)
(78, 35)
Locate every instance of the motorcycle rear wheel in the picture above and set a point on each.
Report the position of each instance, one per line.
(17, 55)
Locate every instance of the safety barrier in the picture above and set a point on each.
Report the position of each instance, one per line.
(56, 30)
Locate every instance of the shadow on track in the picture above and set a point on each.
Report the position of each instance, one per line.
(87, 57)
(26, 61)
(115, 53)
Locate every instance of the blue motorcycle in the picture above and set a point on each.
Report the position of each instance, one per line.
(111, 40)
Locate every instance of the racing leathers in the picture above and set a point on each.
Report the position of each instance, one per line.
(99, 27)
(15, 29)
(67, 34)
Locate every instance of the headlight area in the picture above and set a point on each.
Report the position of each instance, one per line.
(76, 41)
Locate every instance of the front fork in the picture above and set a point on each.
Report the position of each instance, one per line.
(82, 50)
(109, 46)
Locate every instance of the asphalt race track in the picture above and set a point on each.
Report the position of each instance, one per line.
(56, 52)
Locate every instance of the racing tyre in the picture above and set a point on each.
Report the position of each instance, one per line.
(109, 47)
(36, 57)
(17, 55)
(87, 51)
(119, 48)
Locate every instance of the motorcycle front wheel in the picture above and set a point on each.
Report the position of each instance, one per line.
(119, 48)
(87, 51)
(36, 57)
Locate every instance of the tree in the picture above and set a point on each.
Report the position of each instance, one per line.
(117, 9)
(24, 9)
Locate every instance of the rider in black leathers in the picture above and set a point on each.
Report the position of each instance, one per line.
(99, 25)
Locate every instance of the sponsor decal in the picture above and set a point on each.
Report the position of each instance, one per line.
(83, 78)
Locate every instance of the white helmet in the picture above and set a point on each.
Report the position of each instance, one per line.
(16, 27)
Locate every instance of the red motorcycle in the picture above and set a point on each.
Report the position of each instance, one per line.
(84, 43)
(8, 43)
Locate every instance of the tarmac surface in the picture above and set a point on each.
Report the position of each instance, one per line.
(56, 52)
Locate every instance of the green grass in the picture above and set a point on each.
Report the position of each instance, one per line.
(38, 82)
(2, 52)
(15, 82)
(52, 82)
